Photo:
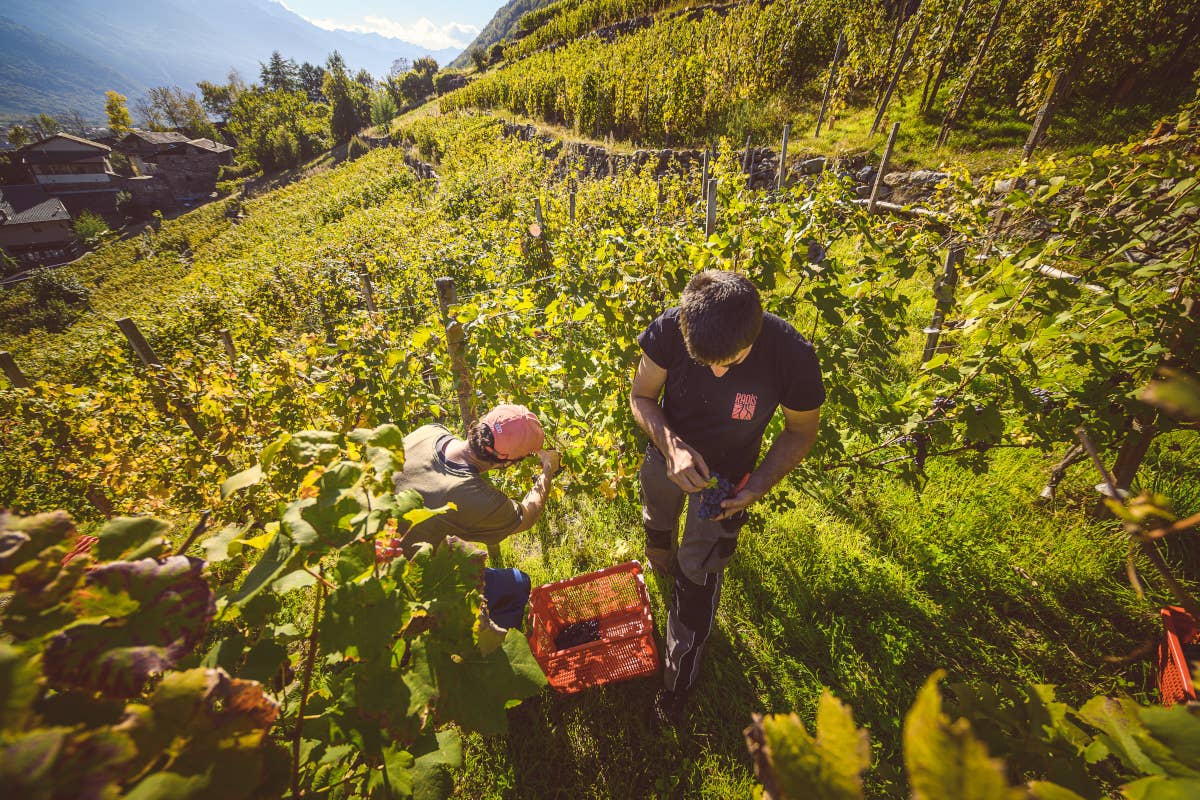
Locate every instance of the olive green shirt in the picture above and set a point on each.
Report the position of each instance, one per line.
(483, 514)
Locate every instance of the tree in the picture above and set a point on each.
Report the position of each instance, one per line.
(312, 77)
(479, 58)
(217, 97)
(383, 108)
(44, 126)
(426, 65)
(73, 122)
(89, 226)
(349, 101)
(277, 129)
(399, 67)
(279, 74)
(364, 78)
(119, 120)
(169, 107)
(19, 136)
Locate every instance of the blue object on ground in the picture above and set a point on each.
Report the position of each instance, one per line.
(507, 594)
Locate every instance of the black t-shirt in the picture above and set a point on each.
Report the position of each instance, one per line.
(724, 418)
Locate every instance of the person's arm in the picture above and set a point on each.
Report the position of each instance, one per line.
(535, 500)
(789, 449)
(685, 466)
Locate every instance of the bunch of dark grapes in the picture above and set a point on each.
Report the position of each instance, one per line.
(1048, 399)
(712, 497)
(942, 404)
(920, 443)
(577, 633)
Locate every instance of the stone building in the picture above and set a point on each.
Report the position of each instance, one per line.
(183, 169)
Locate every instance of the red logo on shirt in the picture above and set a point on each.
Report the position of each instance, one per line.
(743, 406)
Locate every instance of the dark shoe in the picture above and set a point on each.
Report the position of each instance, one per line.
(669, 708)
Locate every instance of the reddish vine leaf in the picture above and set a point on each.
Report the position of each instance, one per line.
(211, 731)
(154, 613)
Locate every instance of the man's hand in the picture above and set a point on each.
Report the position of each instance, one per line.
(686, 467)
(551, 462)
(743, 495)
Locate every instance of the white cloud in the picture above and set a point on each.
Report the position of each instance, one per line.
(422, 31)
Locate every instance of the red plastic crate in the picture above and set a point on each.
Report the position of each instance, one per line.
(617, 597)
(1174, 674)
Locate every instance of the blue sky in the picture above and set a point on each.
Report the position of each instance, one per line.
(452, 23)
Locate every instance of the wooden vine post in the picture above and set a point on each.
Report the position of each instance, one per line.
(183, 409)
(368, 292)
(138, 342)
(883, 164)
(837, 52)
(710, 215)
(704, 173)
(456, 342)
(571, 204)
(781, 179)
(976, 68)
(12, 371)
(943, 292)
(227, 342)
(537, 213)
(900, 65)
(938, 71)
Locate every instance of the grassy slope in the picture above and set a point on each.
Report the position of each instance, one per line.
(866, 594)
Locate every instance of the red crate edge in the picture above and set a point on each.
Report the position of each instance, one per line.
(607, 660)
(1174, 677)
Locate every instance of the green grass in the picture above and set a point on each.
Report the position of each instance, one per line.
(867, 594)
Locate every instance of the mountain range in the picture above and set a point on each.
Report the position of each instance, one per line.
(61, 55)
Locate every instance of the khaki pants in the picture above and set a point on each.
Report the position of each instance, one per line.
(705, 549)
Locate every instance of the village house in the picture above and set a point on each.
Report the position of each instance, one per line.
(184, 168)
(77, 172)
(34, 227)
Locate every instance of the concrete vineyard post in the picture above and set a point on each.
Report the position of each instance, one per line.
(943, 292)
(456, 342)
(227, 341)
(837, 52)
(782, 179)
(12, 371)
(710, 216)
(883, 164)
(368, 291)
(704, 173)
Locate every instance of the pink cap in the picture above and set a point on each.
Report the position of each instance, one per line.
(516, 432)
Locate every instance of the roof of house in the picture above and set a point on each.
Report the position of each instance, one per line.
(68, 137)
(210, 145)
(157, 137)
(25, 204)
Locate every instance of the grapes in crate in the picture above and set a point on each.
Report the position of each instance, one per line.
(718, 490)
(577, 633)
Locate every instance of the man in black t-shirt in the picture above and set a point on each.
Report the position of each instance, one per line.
(721, 367)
